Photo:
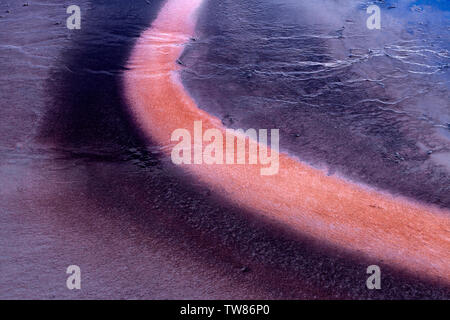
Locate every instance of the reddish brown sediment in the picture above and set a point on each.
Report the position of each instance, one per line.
(407, 235)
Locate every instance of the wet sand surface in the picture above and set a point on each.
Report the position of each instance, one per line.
(79, 186)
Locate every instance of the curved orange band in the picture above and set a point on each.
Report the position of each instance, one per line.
(394, 230)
